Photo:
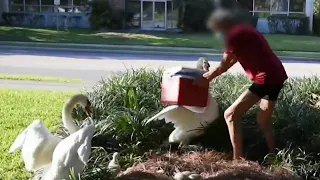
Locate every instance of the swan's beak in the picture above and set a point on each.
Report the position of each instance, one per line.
(88, 110)
(208, 66)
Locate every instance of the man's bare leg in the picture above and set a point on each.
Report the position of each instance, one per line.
(265, 122)
(233, 115)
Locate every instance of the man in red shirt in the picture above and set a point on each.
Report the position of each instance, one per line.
(244, 44)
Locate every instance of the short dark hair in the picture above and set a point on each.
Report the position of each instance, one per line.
(227, 17)
(221, 16)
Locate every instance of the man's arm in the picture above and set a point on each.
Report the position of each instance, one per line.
(228, 60)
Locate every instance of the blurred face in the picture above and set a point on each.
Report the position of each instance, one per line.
(218, 30)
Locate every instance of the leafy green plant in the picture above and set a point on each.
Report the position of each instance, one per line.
(296, 160)
(73, 175)
(121, 104)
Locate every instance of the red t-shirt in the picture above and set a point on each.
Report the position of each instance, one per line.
(254, 54)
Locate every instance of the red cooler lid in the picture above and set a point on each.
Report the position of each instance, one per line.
(190, 73)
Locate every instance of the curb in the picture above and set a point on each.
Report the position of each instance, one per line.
(138, 47)
(113, 50)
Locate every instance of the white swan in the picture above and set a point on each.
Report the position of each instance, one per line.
(114, 165)
(37, 143)
(203, 64)
(189, 121)
(72, 153)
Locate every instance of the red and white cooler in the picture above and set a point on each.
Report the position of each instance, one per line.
(177, 87)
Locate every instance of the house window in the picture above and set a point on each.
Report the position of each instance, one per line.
(265, 8)
(33, 6)
(261, 5)
(297, 5)
(16, 5)
(279, 6)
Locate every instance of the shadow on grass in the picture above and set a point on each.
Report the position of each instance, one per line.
(200, 40)
(92, 37)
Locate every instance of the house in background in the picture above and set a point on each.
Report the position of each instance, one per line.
(148, 14)
(265, 8)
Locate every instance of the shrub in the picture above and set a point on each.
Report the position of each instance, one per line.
(316, 25)
(289, 25)
(316, 7)
(104, 16)
(9, 18)
(101, 14)
(122, 102)
(193, 14)
(254, 21)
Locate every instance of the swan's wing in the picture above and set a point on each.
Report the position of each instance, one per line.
(22, 137)
(85, 150)
(80, 142)
(38, 146)
(64, 153)
(195, 109)
(211, 112)
(67, 158)
(18, 142)
(162, 114)
(178, 115)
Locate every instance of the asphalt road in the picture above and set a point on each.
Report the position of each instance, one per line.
(92, 66)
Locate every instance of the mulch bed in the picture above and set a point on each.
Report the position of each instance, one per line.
(210, 164)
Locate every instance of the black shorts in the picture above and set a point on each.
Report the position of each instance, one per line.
(268, 92)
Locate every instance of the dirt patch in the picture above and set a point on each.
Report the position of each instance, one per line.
(211, 165)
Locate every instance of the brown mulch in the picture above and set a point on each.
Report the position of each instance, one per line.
(211, 166)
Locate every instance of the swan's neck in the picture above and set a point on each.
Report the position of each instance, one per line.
(115, 159)
(200, 65)
(67, 119)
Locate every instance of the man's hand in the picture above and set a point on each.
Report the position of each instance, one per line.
(210, 75)
(228, 61)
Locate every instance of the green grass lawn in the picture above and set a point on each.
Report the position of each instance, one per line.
(39, 78)
(201, 40)
(18, 109)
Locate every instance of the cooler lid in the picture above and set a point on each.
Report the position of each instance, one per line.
(190, 73)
